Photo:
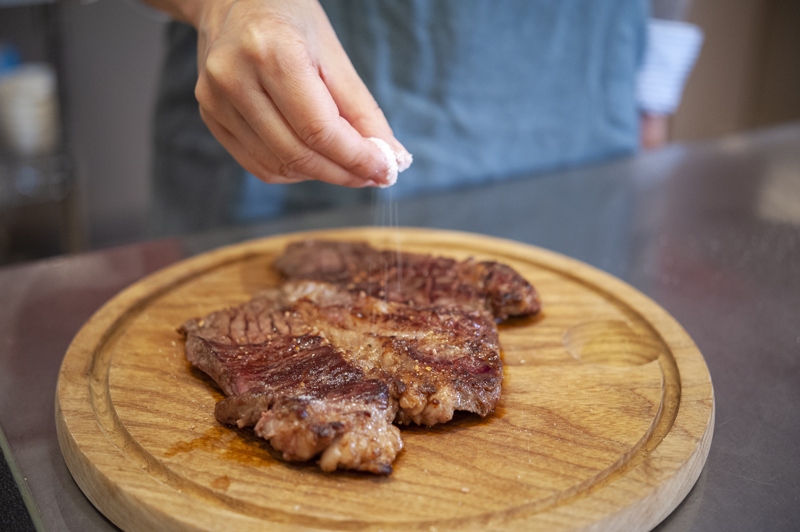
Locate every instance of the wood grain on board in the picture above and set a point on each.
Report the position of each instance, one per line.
(604, 424)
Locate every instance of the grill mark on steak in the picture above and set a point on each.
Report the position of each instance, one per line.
(418, 280)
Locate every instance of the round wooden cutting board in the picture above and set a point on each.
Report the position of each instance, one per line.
(604, 423)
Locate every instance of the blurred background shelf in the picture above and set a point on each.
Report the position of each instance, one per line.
(33, 180)
(38, 211)
(40, 214)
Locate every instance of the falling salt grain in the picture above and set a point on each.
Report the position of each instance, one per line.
(465, 490)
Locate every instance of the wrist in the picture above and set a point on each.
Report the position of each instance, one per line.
(207, 16)
(194, 12)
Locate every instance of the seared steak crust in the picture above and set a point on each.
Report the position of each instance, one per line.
(418, 280)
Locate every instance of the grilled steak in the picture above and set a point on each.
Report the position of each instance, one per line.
(418, 280)
(323, 366)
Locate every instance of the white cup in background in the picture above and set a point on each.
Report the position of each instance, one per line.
(29, 117)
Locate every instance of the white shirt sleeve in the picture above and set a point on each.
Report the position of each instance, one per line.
(672, 49)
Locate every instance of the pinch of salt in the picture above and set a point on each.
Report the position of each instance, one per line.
(397, 161)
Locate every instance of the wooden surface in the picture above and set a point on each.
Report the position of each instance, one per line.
(604, 424)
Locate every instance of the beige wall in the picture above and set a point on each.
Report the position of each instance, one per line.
(748, 73)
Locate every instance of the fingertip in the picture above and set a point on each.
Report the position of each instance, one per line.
(401, 154)
(396, 158)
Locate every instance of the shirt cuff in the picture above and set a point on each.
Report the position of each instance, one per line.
(672, 49)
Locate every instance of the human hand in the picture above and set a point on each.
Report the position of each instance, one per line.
(277, 89)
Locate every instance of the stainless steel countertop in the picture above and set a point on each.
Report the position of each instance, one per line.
(711, 231)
